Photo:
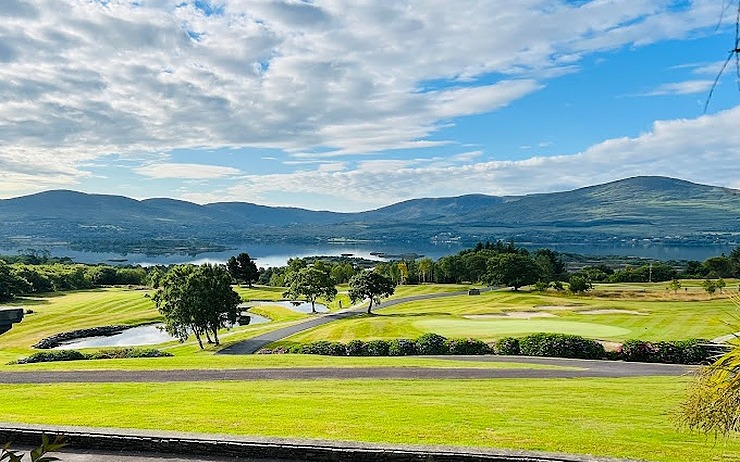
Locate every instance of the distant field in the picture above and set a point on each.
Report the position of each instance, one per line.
(629, 418)
(610, 312)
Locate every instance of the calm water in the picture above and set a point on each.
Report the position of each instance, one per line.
(151, 334)
(278, 254)
(302, 307)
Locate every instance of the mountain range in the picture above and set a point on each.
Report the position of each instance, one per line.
(639, 208)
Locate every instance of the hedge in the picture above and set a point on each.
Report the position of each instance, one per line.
(74, 355)
(561, 346)
(694, 351)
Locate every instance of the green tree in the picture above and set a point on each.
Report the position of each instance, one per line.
(426, 266)
(513, 269)
(674, 285)
(10, 283)
(197, 300)
(578, 284)
(371, 285)
(243, 269)
(310, 283)
(709, 285)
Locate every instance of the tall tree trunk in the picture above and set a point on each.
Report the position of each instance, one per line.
(200, 342)
(370, 306)
(208, 336)
(215, 336)
(313, 307)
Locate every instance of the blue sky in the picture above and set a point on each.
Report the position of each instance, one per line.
(354, 105)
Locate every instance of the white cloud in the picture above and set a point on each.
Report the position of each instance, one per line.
(704, 150)
(688, 87)
(84, 79)
(185, 171)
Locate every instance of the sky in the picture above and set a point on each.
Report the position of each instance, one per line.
(353, 105)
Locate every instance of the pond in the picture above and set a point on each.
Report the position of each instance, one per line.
(300, 306)
(150, 334)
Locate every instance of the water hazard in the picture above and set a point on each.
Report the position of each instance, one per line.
(300, 306)
(151, 334)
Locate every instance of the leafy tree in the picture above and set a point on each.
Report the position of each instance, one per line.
(709, 285)
(513, 269)
(552, 264)
(403, 272)
(674, 285)
(721, 284)
(578, 284)
(426, 267)
(735, 262)
(243, 269)
(372, 285)
(10, 283)
(718, 267)
(197, 300)
(311, 283)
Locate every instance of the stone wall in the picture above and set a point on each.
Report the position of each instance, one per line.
(275, 450)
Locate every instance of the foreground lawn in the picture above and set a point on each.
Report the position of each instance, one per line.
(643, 312)
(628, 418)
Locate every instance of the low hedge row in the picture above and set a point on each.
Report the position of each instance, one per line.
(74, 355)
(693, 351)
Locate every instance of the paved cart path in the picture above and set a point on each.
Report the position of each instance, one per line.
(254, 344)
(585, 368)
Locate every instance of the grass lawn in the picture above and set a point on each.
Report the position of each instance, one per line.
(628, 418)
(74, 310)
(644, 311)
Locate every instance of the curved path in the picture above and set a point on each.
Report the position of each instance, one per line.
(254, 344)
(575, 368)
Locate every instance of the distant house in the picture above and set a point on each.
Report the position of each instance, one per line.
(474, 292)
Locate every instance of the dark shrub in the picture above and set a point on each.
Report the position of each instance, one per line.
(638, 351)
(506, 346)
(356, 348)
(122, 353)
(54, 355)
(693, 351)
(402, 347)
(431, 344)
(377, 348)
(560, 345)
(323, 347)
(467, 346)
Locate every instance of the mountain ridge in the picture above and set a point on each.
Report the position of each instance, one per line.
(642, 207)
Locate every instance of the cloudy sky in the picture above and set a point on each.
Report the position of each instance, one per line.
(351, 105)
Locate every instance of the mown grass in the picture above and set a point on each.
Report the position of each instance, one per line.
(644, 311)
(60, 312)
(628, 418)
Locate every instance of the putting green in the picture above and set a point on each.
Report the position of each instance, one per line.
(497, 328)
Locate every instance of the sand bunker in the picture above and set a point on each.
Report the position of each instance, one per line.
(513, 314)
(612, 312)
(557, 307)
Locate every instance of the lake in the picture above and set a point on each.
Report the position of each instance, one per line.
(267, 255)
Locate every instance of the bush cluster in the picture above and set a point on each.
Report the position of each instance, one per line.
(561, 346)
(693, 351)
(74, 355)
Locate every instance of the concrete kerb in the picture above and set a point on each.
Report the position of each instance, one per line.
(192, 444)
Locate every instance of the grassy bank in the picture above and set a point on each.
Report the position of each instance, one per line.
(628, 418)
